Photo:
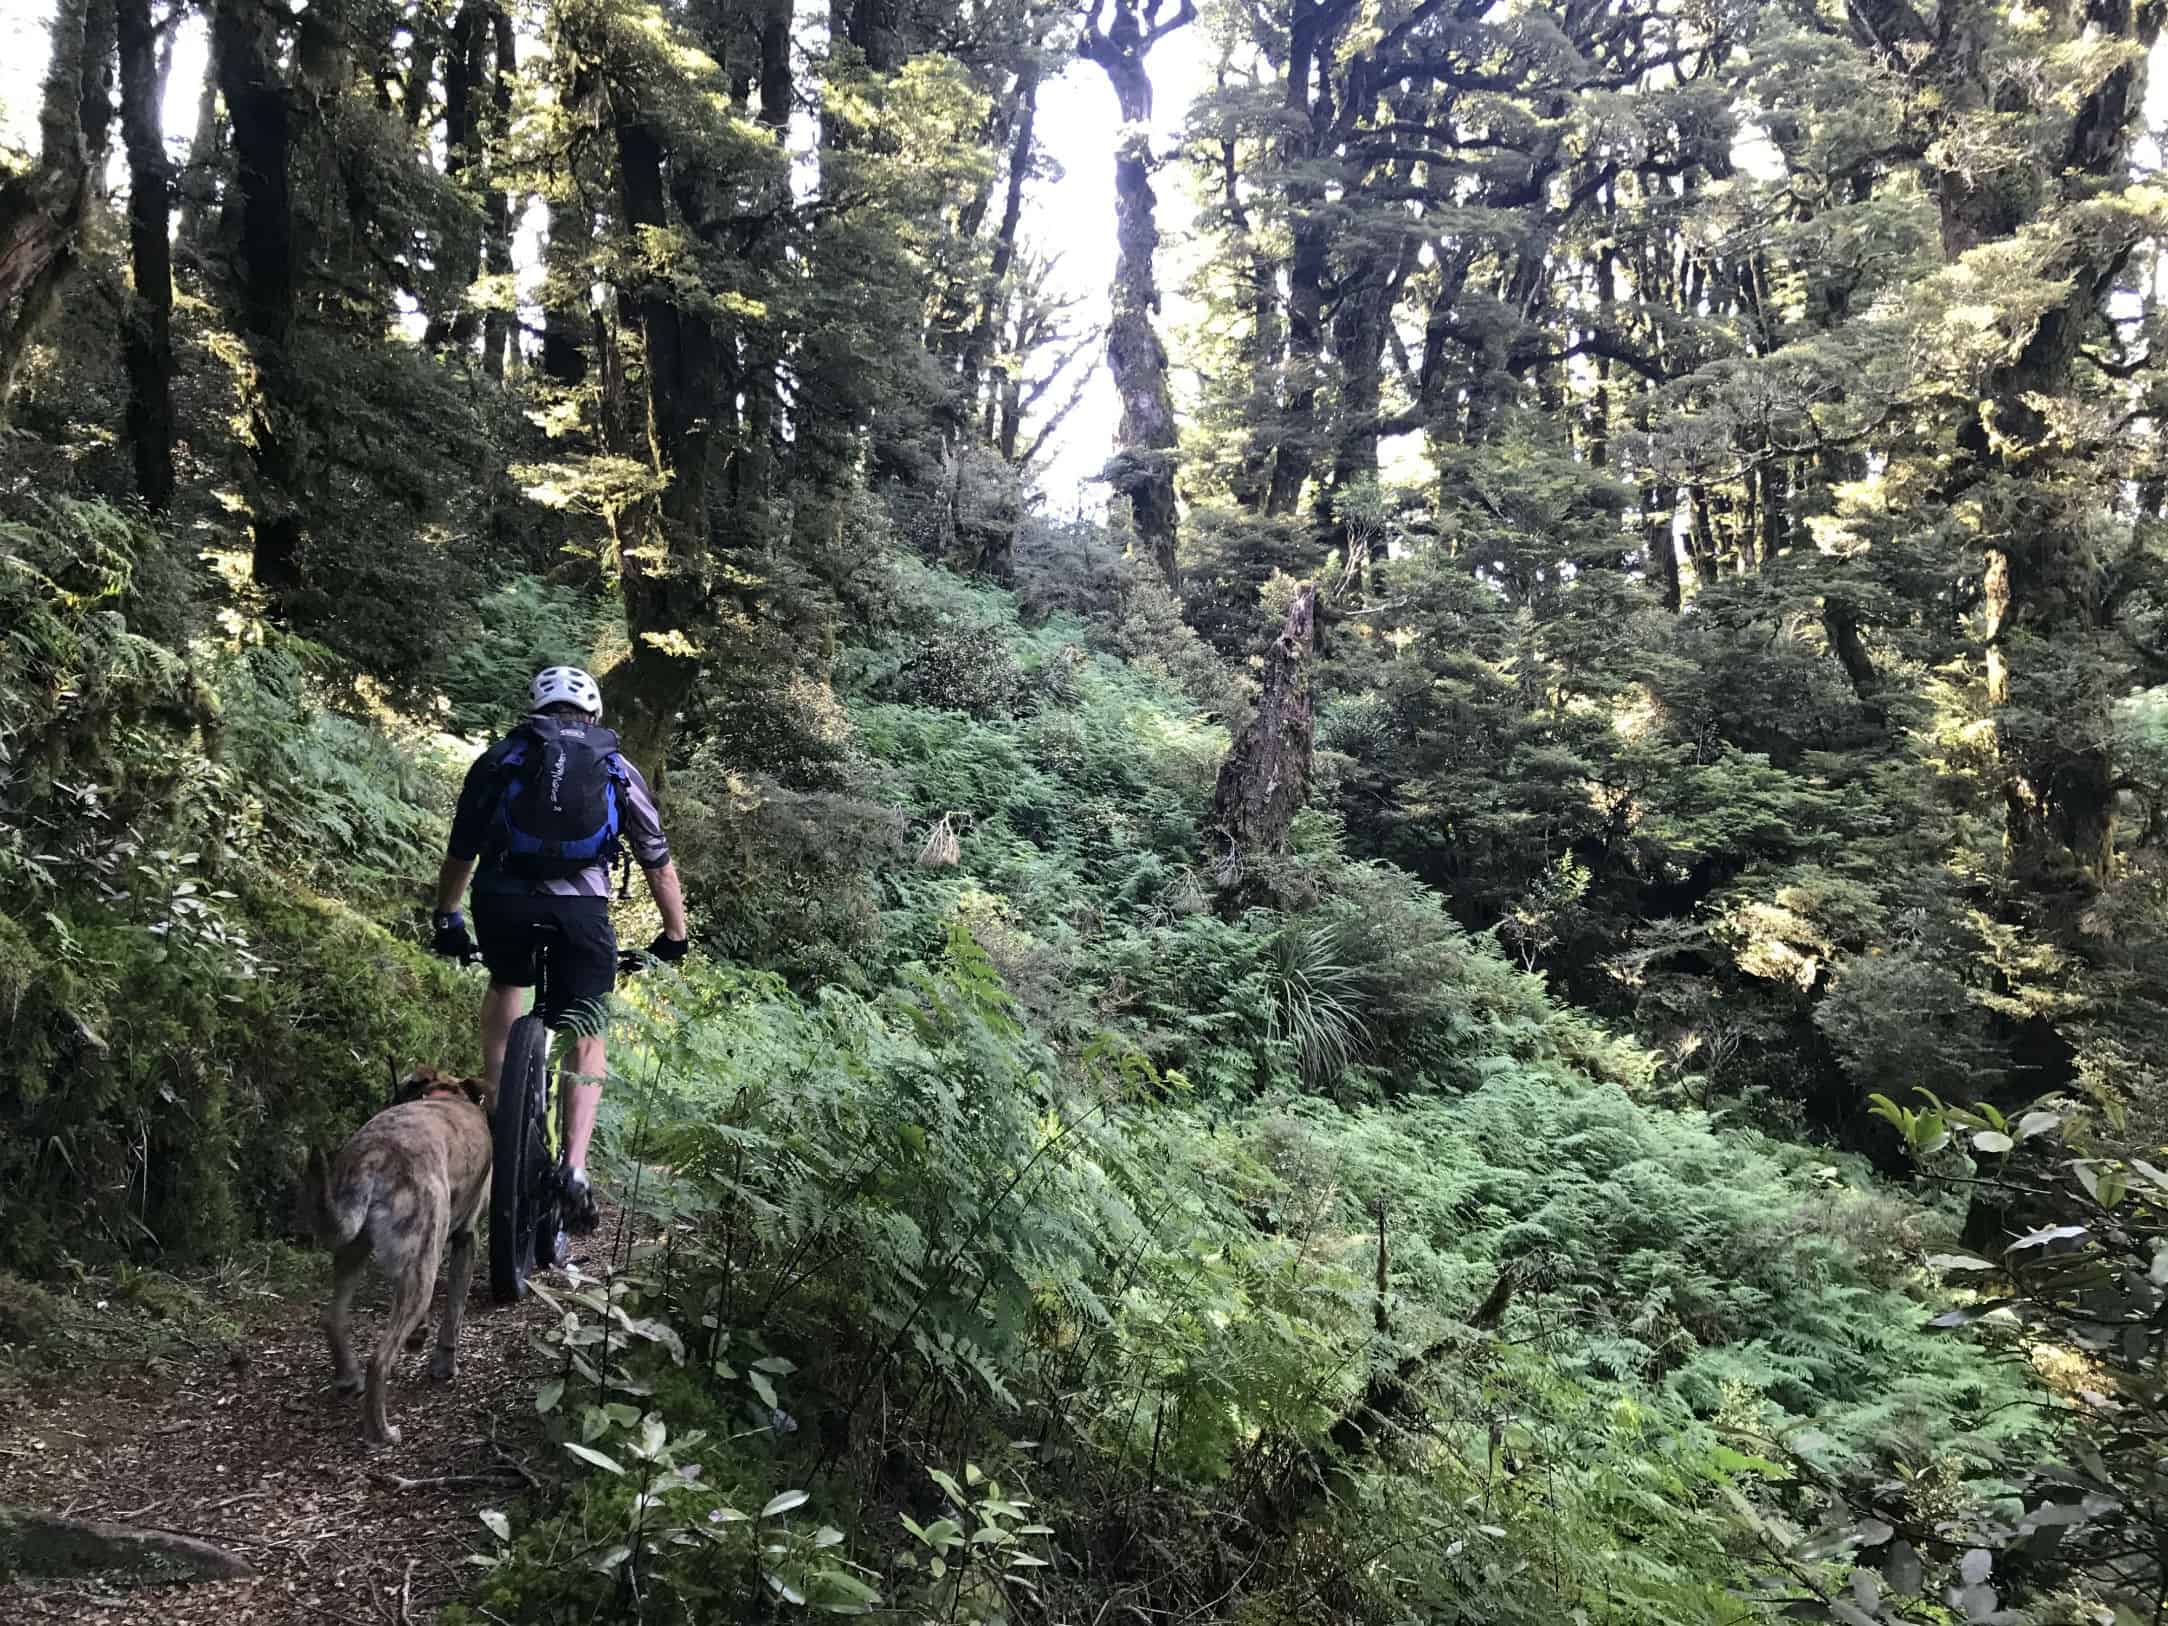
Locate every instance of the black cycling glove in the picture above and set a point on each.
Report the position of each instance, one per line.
(669, 949)
(452, 940)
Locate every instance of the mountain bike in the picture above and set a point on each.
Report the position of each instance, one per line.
(527, 1179)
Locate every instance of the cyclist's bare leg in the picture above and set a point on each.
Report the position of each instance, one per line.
(501, 1007)
(581, 1082)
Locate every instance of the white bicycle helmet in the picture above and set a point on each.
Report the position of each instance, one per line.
(566, 686)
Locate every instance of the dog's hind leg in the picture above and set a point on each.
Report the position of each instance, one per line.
(412, 1240)
(347, 1264)
(444, 1363)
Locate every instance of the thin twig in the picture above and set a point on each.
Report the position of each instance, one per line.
(534, 1480)
(328, 1614)
(91, 1598)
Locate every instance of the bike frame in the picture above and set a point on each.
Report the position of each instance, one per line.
(527, 1133)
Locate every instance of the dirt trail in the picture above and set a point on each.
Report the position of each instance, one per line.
(245, 1445)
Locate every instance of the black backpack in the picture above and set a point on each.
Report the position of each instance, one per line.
(559, 799)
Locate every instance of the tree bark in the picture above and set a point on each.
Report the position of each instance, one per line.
(1840, 623)
(752, 472)
(52, 1545)
(1265, 780)
(500, 327)
(466, 77)
(1261, 344)
(421, 67)
(664, 543)
(1360, 324)
(1307, 97)
(568, 315)
(147, 332)
(565, 324)
(41, 212)
(244, 56)
(1297, 452)
(1142, 468)
(1012, 214)
(2038, 556)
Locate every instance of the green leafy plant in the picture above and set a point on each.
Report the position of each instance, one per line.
(976, 1556)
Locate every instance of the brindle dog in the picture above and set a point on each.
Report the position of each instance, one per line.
(413, 1175)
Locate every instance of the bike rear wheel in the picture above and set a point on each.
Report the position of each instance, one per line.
(522, 1195)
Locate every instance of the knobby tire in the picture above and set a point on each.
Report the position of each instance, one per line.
(522, 1207)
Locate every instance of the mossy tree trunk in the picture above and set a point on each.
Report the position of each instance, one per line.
(1265, 780)
(1142, 468)
(42, 211)
(663, 543)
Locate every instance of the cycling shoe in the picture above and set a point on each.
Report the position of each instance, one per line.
(580, 1214)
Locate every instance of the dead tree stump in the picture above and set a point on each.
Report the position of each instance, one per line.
(1265, 780)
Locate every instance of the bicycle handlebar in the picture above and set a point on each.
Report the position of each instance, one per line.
(630, 962)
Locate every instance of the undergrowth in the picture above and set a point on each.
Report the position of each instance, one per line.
(196, 850)
(1023, 1233)
(1080, 1252)
(891, 1243)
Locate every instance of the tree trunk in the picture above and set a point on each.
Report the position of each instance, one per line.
(1265, 780)
(566, 325)
(466, 75)
(500, 327)
(147, 333)
(421, 67)
(1662, 545)
(245, 50)
(666, 564)
(873, 26)
(1840, 623)
(1012, 214)
(568, 314)
(41, 212)
(1309, 62)
(753, 469)
(1305, 348)
(1261, 344)
(2039, 555)
(1142, 468)
(1360, 324)
(94, 115)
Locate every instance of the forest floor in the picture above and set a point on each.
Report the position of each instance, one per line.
(206, 1408)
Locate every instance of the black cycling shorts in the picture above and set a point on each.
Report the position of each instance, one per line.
(580, 967)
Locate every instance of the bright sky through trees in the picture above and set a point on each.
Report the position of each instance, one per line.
(1070, 218)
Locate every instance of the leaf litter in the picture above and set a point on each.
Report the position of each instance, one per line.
(246, 1446)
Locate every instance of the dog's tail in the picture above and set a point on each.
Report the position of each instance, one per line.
(334, 1223)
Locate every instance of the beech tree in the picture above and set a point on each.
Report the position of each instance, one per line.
(1142, 469)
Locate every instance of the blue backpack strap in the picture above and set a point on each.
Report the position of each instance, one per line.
(514, 752)
(504, 758)
(620, 782)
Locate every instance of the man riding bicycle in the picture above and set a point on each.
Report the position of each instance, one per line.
(543, 812)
